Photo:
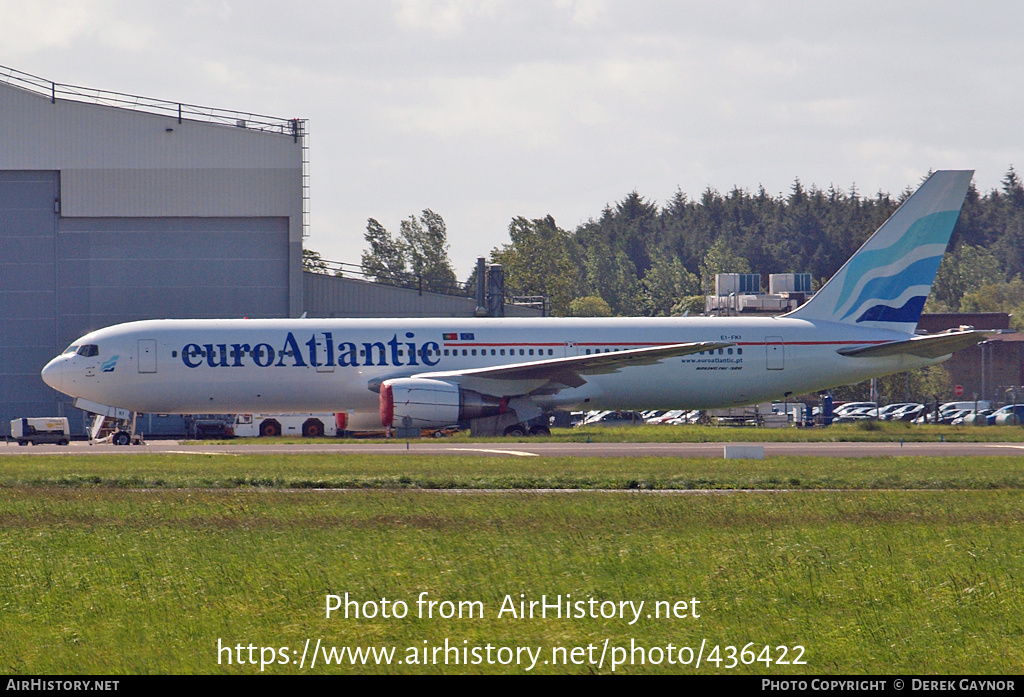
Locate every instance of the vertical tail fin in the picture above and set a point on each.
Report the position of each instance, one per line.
(885, 284)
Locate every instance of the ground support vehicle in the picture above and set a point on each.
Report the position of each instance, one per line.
(41, 430)
(272, 425)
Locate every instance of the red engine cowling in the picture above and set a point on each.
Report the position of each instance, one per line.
(430, 403)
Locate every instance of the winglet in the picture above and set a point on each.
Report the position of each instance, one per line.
(885, 284)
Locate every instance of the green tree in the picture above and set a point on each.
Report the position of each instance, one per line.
(590, 306)
(419, 254)
(962, 272)
(385, 260)
(313, 262)
(612, 276)
(541, 259)
(720, 259)
(919, 385)
(998, 297)
(689, 305)
(425, 240)
(664, 285)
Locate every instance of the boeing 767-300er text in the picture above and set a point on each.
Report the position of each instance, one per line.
(501, 373)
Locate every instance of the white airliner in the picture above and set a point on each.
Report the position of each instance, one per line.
(502, 373)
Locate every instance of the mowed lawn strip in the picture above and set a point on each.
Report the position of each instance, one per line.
(863, 432)
(332, 471)
(112, 581)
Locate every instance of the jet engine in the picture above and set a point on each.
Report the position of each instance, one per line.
(430, 403)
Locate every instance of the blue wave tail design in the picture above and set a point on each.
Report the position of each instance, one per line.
(910, 312)
(897, 264)
(920, 273)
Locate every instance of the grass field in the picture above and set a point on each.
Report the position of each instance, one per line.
(331, 471)
(111, 566)
(867, 431)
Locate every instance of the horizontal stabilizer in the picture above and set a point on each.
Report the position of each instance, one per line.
(931, 346)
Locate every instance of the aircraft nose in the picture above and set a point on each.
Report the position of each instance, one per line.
(53, 372)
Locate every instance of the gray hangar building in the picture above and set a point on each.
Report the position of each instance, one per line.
(115, 208)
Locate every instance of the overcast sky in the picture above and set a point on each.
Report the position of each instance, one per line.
(487, 109)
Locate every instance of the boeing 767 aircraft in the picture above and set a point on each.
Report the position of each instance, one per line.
(502, 373)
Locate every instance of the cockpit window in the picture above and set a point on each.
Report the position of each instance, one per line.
(73, 348)
(89, 350)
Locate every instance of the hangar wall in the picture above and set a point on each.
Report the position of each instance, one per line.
(333, 296)
(110, 214)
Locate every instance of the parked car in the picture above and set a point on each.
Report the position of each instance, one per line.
(848, 407)
(909, 413)
(889, 411)
(858, 414)
(687, 417)
(666, 416)
(616, 418)
(970, 417)
(1010, 415)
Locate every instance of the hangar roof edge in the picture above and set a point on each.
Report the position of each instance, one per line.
(180, 110)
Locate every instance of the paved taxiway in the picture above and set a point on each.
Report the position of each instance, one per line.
(536, 448)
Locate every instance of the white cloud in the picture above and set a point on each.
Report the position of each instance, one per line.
(485, 109)
(31, 27)
(443, 18)
(586, 13)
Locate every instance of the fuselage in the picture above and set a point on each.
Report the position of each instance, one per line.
(317, 365)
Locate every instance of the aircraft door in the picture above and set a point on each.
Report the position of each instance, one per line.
(776, 352)
(147, 355)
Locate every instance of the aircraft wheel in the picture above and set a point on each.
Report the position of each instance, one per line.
(121, 438)
(516, 431)
(540, 431)
(438, 434)
(270, 429)
(313, 428)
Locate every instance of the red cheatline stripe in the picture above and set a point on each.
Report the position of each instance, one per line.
(670, 343)
(478, 345)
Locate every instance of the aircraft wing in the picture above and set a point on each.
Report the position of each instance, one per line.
(571, 371)
(929, 346)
